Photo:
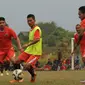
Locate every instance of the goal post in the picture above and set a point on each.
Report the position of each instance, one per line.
(72, 57)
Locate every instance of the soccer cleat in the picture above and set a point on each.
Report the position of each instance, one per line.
(21, 80)
(13, 81)
(2, 74)
(33, 78)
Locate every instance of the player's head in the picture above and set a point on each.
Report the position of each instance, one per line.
(78, 28)
(81, 12)
(2, 22)
(31, 20)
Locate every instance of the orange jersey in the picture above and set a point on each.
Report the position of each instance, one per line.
(36, 34)
(5, 38)
(82, 23)
(82, 42)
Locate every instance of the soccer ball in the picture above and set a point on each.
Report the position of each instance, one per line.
(17, 74)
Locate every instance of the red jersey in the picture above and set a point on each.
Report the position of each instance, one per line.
(5, 38)
(82, 23)
(82, 42)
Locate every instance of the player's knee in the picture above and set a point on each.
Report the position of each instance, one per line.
(12, 60)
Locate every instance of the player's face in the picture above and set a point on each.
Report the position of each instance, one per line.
(31, 21)
(78, 27)
(81, 15)
(78, 30)
(2, 24)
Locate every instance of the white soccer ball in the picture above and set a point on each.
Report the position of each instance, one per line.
(17, 74)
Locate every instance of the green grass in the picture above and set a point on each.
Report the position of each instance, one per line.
(49, 78)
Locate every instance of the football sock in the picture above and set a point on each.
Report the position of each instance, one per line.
(31, 71)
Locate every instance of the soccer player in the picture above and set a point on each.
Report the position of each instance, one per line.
(33, 49)
(6, 48)
(82, 42)
(81, 13)
(79, 37)
(82, 16)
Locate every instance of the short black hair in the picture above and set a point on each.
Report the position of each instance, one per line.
(2, 18)
(78, 25)
(31, 15)
(82, 9)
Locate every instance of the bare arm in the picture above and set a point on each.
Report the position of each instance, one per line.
(31, 43)
(35, 40)
(19, 44)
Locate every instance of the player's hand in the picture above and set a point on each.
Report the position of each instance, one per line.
(25, 45)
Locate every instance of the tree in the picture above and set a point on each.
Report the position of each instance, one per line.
(51, 41)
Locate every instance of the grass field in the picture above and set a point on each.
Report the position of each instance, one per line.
(49, 78)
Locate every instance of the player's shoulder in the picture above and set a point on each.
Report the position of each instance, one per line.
(9, 28)
(75, 34)
(37, 27)
(83, 21)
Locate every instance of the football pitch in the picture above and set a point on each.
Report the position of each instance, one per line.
(49, 78)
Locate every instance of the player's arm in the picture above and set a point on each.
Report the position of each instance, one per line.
(82, 27)
(36, 39)
(14, 36)
(19, 44)
(75, 47)
(30, 43)
(75, 44)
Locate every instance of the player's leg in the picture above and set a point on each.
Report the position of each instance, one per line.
(30, 63)
(22, 57)
(6, 67)
(30, 66)
(83, 58)
(11, 57)
(1, 69)
(2, 56)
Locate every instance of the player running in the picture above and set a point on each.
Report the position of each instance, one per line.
(79, 36)
(6, 47)
(33, 49)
